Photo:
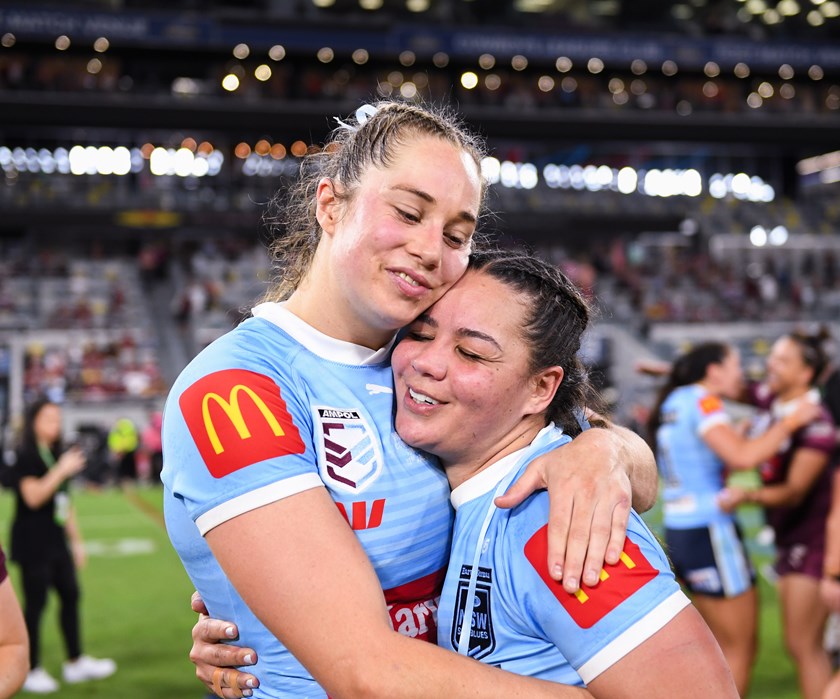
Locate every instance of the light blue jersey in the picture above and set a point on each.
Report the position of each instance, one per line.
(274, 408)
(520, 619)
(692, 474)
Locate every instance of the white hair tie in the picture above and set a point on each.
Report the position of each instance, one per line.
(363, 113)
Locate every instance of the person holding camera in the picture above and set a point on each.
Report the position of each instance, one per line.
(47, 545)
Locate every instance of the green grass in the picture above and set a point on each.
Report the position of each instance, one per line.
(135, 600)
(135, 606)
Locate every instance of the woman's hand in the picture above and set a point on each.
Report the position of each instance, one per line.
(731, 497)
(590, 492)
(71, 462)
(215, 661)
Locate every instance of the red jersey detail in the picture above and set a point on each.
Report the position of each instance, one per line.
(360, 518)
(591, 604)
(413, 606)
(238, 418)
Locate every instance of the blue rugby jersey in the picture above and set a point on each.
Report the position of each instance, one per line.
(274, 408)
(520, 619)
(692, 474)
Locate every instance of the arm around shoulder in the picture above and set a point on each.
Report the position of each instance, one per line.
(303, 572)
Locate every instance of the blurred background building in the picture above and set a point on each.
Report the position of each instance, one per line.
(680, 159)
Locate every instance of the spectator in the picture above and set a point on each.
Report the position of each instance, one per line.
(123, 441)
(44, 521)
(151, 444)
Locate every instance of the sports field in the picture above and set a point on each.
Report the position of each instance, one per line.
(135, 606)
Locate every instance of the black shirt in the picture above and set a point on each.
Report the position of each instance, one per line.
(35, 532)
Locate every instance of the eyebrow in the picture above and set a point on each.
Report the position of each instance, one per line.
(462, 332)
(425, 196)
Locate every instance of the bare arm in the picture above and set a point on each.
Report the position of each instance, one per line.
(806, 467)
(680, 661)
(37, 491)
(830, 584)
(590, 482)
(14, 645)
(316, 591)
(740, 453)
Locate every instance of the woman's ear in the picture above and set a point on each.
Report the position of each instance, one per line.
(327, 205)
(544, 386)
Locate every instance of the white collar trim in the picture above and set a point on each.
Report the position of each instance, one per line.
(485, 481)
(317, 342)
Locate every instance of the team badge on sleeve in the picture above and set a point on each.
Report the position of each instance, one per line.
(591, 604)
(349, 455)
(238, 418)
(710, 404)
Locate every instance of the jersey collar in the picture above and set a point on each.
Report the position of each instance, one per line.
(317, 342)
(485, 481)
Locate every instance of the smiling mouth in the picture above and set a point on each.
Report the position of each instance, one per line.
(410, 280)
(421, 398)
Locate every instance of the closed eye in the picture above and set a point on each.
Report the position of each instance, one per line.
(411, 218)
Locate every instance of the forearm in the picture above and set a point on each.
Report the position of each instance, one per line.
(831, 563)
(407, 668)
(14, 664)
(36, 492)
(638, 460)
(750, 453)
(778, 495)
(74, 534)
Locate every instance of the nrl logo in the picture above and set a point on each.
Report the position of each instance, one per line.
(482, 638)
(349, 455)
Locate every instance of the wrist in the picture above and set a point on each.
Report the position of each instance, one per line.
(753, 497)
(789, 424)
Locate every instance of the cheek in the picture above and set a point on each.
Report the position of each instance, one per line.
(400, 360)
(454, 265)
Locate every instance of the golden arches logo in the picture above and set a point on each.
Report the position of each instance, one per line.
(234, 413)
(629, 563)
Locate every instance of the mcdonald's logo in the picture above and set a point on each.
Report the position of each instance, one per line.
(238, 418)
(616, 582)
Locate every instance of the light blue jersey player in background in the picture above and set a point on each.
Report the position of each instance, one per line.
(481, 379)
(696, 446)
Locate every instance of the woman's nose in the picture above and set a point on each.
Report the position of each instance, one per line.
(426, 244)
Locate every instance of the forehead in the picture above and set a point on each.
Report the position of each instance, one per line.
(786, 347)
(433, 162)
(479, 297)
(48, 411)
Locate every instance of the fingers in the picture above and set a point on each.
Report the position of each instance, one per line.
(586, 530)
(618, 531)
(526, 484)
(220, 655)
(560, 520)
(210, 631)
(230, 684)
(197, 603)
(214, 666)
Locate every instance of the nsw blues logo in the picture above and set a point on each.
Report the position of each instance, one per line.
(482, 638)
(349, 455)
